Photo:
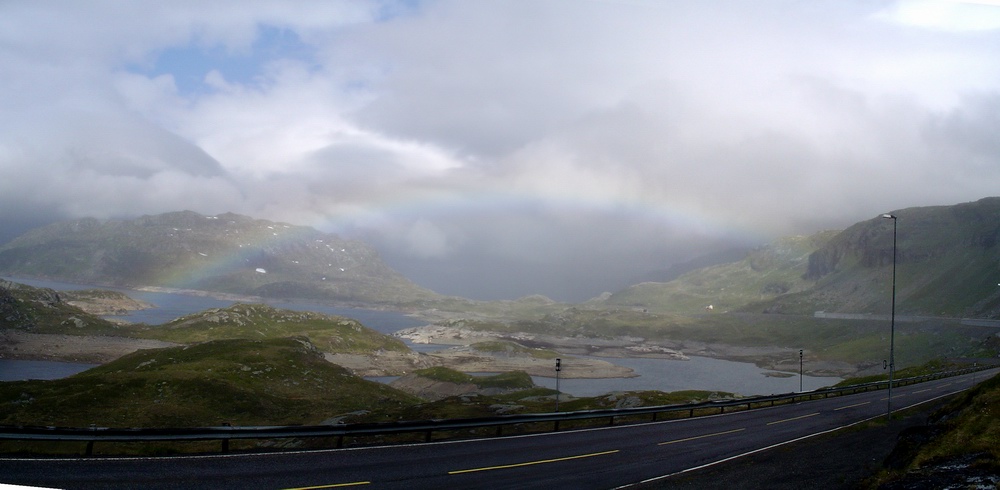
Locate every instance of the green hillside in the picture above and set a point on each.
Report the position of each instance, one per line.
(39, 310)
(947, 264)
(242, 382)
(958, 448)
(329, 333)
(227, 253)
(766, 272)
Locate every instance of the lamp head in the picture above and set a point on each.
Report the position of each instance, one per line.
(888, 216)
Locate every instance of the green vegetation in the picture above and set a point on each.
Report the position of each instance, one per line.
(242, 382)
(854, 341)
(974, 428)
(765, 273)
(330, 333)
(38, 310)
(539, 400)
(965, 433)
(931, 367)
(514, 380)
(252, 364)
(513, 348)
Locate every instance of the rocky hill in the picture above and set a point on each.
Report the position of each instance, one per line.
(947, 264)
(947, 260)
(438, 383)
(44, 311)
(242, 382)
(330, 333)
(226, 253)
(765, 272)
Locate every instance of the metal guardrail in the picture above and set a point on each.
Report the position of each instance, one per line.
(428, 427)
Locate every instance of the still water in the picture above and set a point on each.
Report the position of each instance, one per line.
(698, 373)
(17, 370)
(170, 306)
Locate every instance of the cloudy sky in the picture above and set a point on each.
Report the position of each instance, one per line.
(495, 149)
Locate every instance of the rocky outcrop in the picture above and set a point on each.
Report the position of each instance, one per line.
(590, 346)
(103, 302)
(432, 390)
(16, 344)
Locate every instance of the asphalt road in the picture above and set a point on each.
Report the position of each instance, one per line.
(597, 458)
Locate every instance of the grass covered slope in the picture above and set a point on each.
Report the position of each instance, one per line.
(959, 448)
(329, 333)
(242, 382)
(947, 260)
(40, 310)
(766, 272)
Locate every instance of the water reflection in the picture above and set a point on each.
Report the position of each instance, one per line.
(17, 370)
(698, 373)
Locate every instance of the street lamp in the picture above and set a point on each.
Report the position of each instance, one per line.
(892, 318)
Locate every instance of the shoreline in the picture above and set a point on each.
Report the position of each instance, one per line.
(20, 345)
(88, 349)
(780, 360)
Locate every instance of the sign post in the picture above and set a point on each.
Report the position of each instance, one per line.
(558, 368)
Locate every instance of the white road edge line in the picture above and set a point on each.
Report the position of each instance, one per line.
(695, 468)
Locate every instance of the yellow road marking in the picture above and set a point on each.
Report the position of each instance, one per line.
(852, 406)
(529, 463)
(793, 418)
(335, 485)
(699, 437)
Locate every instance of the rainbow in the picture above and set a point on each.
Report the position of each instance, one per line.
(409, 208)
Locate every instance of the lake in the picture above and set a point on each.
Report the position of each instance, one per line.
(698, 373)
(172, 305)
(17, 370)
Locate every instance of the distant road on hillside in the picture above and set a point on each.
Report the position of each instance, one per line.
(975, 322)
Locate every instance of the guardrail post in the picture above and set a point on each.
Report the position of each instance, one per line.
(555, 427)
(90, 444)
(427, 437)
(225, 440)
(611, 421)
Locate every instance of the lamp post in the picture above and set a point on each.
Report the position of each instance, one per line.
(892, 318)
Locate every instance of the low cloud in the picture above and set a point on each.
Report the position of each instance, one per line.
(502, 149)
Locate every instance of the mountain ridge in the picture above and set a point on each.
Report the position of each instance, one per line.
(947, 264)
(227, 253)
